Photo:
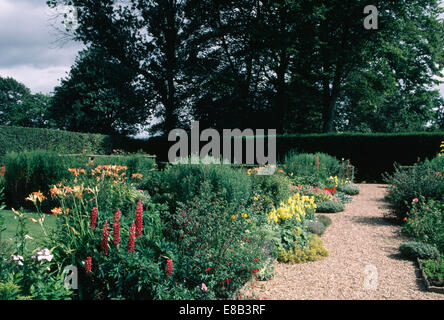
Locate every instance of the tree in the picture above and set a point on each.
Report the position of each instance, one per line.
(19, 107)
(144, 37)
(297, 66)
(100, 95)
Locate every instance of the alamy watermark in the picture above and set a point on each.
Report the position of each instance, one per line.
(371, 278)
(225, 150)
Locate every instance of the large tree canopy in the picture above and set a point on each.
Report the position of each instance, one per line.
(19, 107)
(293, 65)
(100, 95)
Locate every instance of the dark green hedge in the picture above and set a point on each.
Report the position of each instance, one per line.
(64, 142)
(371, 154)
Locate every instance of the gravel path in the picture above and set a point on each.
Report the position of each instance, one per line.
(363, 247)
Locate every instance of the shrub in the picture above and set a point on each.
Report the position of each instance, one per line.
(344, 198)
(31, 171)
(425, 222)
(325, 206)
(276, 186)
(315, 227)
(220, 244)
(313, 251)
(305, 166)
(407, 184)
(350, 189)
(414, 249)
(326, 221)
(183, 182)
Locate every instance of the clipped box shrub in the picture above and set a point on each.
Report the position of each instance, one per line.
(413, 249)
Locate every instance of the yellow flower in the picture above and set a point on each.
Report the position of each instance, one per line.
(233, 217)
(244, 216)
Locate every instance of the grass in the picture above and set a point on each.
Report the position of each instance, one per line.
(34, 229)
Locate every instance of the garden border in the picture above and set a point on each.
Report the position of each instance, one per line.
(426, 279)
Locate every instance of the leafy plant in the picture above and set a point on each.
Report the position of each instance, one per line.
(315, 227)
(425, 222)
(350, 189)
(414, 249)
(434, 269)
(326, 206)
(326, 221)
(312, 251)
(407, 184)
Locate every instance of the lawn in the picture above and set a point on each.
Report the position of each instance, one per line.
(34, 229)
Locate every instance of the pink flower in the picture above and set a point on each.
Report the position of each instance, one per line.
(105, 234)
(131, 238)
(169, 268)
(415, 200)
(204, 287)
(93, 218)
(116, 228)
(88, 264)
(139, 219)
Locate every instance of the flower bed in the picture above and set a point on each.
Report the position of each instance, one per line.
(186, 232)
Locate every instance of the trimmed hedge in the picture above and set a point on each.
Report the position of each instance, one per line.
(371, 153)
(18, 139)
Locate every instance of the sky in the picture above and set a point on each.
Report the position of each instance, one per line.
(29, 50)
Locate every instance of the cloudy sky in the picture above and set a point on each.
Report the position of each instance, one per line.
(29, 50)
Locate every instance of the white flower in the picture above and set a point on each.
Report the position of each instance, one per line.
(44, 254)
(19, 259)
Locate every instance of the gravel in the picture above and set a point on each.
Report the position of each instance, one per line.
(364, 261)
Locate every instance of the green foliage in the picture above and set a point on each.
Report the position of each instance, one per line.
(100, 95)
(313, 251)
(183, 181)
(304, 165)
(343, 197)
(325, 206)
(406, 184)
(28, 274)
(31, 171)
(414, 249)
(220, 243)
(19, 107)
(350, 189)
(426, 222)
(19, 139)
(315, 227)
(326, 221)
(434, 269)
(276, 186)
